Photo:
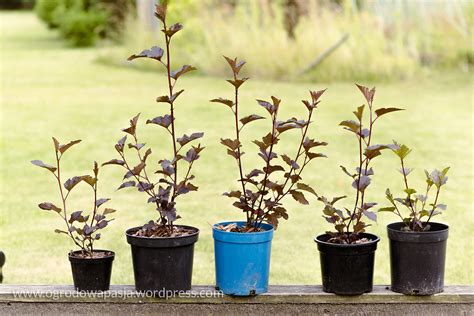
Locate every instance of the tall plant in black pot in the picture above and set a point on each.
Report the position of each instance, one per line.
(91, 267)
(347, 253)
(417, 245)
(162, 252)
(242, 248)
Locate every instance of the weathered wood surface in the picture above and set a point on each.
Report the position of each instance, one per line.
(281, 299)
(278, 294)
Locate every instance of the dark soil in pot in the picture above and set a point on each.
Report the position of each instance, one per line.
(417, 259)
(163, 263)
(91, 274)
(347, 269)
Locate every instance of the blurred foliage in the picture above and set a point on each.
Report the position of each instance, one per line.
(79, 26)
(387, 39)
(16, 4)
(83, 21)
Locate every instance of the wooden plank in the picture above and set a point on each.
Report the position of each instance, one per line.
(278, 294)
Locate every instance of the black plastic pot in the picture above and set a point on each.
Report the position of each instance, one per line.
(164, 263)
(91, 274)
(347, 269)
(417, 259)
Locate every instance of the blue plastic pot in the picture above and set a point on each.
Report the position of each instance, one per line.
(242, 260)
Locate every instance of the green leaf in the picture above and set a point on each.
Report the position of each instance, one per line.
(60, 231)
(387, 209)
(409, 191)
(401, 150)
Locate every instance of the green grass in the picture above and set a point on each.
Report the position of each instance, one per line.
(49, 90)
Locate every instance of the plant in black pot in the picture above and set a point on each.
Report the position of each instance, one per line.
(242, 248)
(417, 245)
(347, 253)
(162, 251)
(91, 267)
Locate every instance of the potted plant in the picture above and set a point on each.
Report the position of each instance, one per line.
(162, 252)
(347, 253)
(91, 267)
(242, 248)
(417, 245)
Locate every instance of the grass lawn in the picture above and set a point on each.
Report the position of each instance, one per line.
(51, 90)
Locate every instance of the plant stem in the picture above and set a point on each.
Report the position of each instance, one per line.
(264, 183)
(434, 204)
(170, 88)
(358, 177)
(239, 159)
(58, 178)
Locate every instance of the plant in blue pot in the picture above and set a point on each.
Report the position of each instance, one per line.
(417, 245)
(347, 253)
(242, 248)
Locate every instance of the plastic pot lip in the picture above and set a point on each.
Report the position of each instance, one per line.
(161, 242)
(392, 228)
(129, 231)
(241, 223)
(374, 239)
(438, 235)
(242, 238)
(110, 256)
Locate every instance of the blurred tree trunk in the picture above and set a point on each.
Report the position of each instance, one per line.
(293, 10)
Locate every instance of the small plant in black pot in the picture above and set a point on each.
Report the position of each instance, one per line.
(242, 248)
(91, 267)
(347, 253)
(162, 251)
(417, 245)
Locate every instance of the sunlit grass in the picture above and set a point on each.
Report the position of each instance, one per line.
(49, 90)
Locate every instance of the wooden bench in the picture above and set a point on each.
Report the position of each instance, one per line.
(281, 299)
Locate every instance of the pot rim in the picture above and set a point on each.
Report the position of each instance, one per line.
(398, 231)
(330, 244)
(214, 228)
(127, 233)
(111, 254)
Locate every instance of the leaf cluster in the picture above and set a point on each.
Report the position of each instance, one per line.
(82, 226)
(164, 190)
(420, 211)
(262, 189)
(350, 222)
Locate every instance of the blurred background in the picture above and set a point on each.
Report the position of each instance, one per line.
(64, 73)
